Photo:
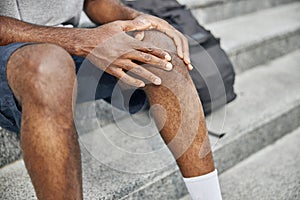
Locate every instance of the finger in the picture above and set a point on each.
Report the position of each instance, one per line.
(186, 53)
(149, 59)
(139, 35)
(138, 70)
(156, 52)
(135, 25)
(120, 74)
(177, 40)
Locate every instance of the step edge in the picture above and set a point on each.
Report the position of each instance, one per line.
(268, 11)
(255, 44)
(265, 120)
(199, 8)
(268, 123)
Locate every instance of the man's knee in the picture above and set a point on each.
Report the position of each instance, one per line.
(179, 74)
(34, 70)
(160, 40)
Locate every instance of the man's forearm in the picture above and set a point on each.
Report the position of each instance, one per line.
(13, 30)
(105, 11)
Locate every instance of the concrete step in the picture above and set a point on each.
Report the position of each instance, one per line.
(267, 107)
(208, 11)
(9, 147)
(259, 37)
(10, 143)
(272, 173)
(99, 181)
(116, 167)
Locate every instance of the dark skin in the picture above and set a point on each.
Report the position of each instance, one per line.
(43, 79)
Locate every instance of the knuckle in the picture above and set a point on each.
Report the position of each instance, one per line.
(153, 77)
(136, 82)
(136, 22)
(163, 63)
(149, 49)
(118, 62)
(137, 70)
(160, 52)
(147, 57)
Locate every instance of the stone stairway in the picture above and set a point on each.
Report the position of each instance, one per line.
(265, 176)
(262, 40)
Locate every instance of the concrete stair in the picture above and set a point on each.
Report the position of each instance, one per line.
(262, 177)
(264, 47)
(259, 37)
(208, 11)
(275, 177)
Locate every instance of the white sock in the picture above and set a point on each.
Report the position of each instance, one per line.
(205, 187)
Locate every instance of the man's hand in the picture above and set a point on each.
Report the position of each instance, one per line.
(106, 11)
(178, 38)
(110, 48)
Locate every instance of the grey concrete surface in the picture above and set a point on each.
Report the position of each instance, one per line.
(270, 174)
(217, 10)
(267, 107)
(15, 182)
(9, 147)
(209, 3)
(99, 182)
(254, 39)
(200, 3)
(10, 144)
(273, 173)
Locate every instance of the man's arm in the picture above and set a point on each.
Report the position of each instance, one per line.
(105, 11)
(13, 30)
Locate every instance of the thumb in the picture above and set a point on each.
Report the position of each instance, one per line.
(136, 25)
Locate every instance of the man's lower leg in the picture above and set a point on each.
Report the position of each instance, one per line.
(184, 128)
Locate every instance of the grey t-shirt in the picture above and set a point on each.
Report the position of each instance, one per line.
(43, 12)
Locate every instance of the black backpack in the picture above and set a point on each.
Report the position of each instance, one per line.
(215, 84)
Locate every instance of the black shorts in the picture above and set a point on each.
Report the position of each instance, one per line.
(104, 84)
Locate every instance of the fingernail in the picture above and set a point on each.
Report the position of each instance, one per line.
(168, 57)
(169, 66)
(180, 55)
(188, 61)
(157, 81)
(190, 67)
(142, 84)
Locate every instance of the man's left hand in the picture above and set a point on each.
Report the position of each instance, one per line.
(178, 38)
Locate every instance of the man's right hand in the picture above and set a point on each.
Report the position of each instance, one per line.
(110, 48)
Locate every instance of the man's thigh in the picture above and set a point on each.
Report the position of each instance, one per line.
(10, 111)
